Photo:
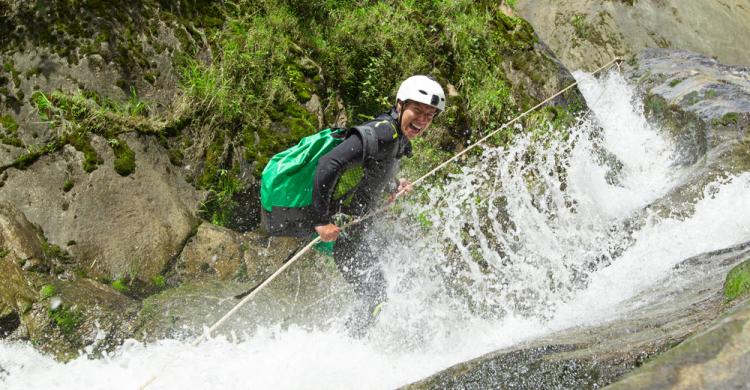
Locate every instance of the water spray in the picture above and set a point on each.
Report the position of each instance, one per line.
(250, 294)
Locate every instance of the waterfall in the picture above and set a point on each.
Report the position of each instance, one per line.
(548, 233)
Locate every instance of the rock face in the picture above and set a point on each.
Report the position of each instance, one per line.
(594, 356)
(716, 358)
(705, 106)
(219, 253)
(61, 315)
(587, 33)
(310, 293)
(114, 226)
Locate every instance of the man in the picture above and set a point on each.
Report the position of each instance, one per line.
(369, 158)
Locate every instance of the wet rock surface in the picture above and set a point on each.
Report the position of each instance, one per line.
(717, 358)
(704, 106)
(311, 293)
(61, 313)
(594, 356)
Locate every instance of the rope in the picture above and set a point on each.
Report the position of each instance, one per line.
(379, 211)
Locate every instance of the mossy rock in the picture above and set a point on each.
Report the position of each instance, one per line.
(124, 163)
(737, 283)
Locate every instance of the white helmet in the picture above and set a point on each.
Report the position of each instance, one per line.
(422, 89)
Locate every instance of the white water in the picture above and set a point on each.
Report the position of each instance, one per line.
(554, 258)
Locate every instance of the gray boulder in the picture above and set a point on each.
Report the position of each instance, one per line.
(115, 226)
(61, 314)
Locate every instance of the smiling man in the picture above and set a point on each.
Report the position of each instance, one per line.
(358, 174)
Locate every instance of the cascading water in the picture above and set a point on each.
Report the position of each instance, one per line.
(546, 234)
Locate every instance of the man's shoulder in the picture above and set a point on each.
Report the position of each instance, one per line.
(383, 128)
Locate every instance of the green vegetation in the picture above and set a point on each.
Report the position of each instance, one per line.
(120, 286)
(124, 157)
(67, 186)
(737, 283)
(581, 27)
(270, 58)
(269, 62)
(731, 118)
(158, 281)
(674, 82)
(77, 117)
(54, 252)
(9, 135)
(424, 221)
(66, 319)
(4, 252)
(47, 291)
(219, 205)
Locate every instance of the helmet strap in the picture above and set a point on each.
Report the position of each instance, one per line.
(400, 111)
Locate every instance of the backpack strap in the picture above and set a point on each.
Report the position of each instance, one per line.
(369, 140)
(375, 133)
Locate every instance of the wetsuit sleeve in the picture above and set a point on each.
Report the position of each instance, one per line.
(330, 168)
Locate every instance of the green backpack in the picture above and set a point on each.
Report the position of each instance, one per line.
(287, 184)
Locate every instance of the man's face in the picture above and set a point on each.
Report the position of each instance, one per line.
(416, 118)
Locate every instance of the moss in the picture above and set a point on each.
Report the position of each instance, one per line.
(691, 98)
(124, 163)
(68, 185)
(67, 320)
(158, 281)
(52, 251)
(580, 26)
(175, 157)
(674, 82)
(12, 141)
(737, 283)
(424, 221)
(731, 118)
(34, 153)
(655, 104)
(81, 142)
(7, 122)
(3, 253)
(47, 291)
(120, 286)
(302, 89)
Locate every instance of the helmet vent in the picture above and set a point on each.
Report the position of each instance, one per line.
(423, 92)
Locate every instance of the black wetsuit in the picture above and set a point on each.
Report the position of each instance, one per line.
(377, 145)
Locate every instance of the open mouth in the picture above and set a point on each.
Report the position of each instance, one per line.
(414, 128)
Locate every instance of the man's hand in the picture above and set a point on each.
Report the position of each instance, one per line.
(404, 187)
(328, 232)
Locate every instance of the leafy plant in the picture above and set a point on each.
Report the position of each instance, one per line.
(135, 106)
